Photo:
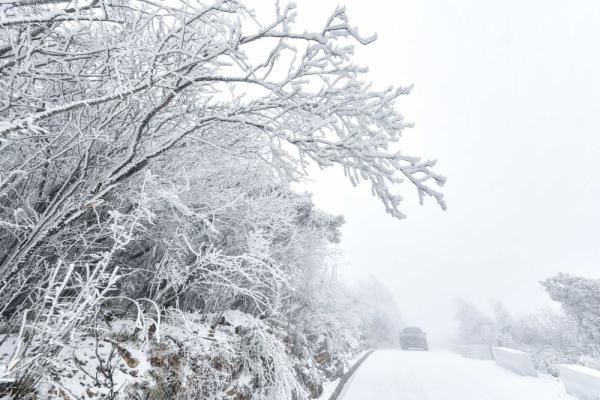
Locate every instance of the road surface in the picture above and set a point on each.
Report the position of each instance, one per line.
(442, 375)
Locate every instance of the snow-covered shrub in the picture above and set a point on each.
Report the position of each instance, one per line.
(591, 359)
(549, 336)
(266, 362)
(230, 355)
(67, 303)
(323, 335)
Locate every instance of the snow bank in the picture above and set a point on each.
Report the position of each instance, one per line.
(514, 360)
(337, 393)
(580, 381)
(475, 351)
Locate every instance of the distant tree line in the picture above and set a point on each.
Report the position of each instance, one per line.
(570, 334)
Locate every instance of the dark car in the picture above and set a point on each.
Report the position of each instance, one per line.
(413, 338)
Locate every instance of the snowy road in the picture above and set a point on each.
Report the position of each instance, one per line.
(441, 375)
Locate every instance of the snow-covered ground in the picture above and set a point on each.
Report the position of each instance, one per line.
(442, 375)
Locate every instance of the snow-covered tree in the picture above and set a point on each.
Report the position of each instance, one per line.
(378, 313)
(474, 325)
(146, 154)
(580, 299)
(549, 335)
(97, 95)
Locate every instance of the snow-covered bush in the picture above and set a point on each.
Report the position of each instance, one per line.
(548, 335)
(229, 355)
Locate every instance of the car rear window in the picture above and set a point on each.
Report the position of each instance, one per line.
(411, 330)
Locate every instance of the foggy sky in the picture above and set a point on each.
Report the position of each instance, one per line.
(507, 98)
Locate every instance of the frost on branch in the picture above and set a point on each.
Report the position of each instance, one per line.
(156, 77)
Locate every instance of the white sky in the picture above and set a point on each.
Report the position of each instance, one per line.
(507, 98)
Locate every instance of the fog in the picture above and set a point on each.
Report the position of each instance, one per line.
(153, 242)
(507, 98)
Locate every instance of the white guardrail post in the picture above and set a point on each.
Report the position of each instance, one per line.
(514, 360)
(581, 382)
